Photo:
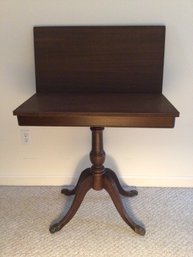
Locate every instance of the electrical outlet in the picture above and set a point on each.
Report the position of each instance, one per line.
(25, 136)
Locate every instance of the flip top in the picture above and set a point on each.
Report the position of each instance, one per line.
(105, 59)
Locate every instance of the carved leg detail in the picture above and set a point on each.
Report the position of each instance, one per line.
(83, 175)
(111, 187)
(81, 191)
(123, 192)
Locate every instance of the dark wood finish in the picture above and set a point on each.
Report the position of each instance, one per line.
(98, 76)
(105, 110)
(84, 185)
(98, 177)
(109, 59)
(97, 158)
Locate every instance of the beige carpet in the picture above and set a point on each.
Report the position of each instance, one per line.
(96, 229)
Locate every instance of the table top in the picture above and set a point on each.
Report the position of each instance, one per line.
(106, 76)
(97, 109)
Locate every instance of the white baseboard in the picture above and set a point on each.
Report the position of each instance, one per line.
(132, 181)
(35, 180)
(159, 181)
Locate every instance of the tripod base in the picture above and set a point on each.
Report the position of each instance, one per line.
(97, 177)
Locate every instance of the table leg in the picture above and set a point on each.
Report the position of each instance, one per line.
(111, 187)
(123, 192)
(82, 177)
(81, 190)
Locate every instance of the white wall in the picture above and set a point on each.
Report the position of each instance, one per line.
(142, 157)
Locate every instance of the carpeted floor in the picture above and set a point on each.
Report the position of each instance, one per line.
(96, 229)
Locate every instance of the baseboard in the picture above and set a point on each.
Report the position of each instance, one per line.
(35, 180)
(132, 181)
(159, 181)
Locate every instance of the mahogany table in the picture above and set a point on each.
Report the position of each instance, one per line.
(97, 77)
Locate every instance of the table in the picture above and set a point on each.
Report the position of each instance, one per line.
(97, 77)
